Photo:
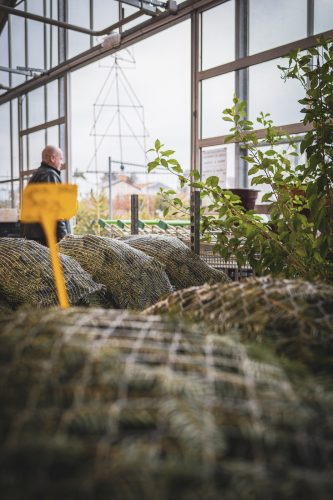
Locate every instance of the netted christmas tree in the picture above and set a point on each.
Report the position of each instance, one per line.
(98, 404)
(133, 280)
(294, 316)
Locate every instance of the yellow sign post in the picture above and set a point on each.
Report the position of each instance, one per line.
(46, 204)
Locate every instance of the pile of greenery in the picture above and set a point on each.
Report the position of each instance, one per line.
(298, 239)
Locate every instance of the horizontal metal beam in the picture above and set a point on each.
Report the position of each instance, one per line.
(43, 126)
(72, 27)
(266, 55)
(16, 71)
(293, 128)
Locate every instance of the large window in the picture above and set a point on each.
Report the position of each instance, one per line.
(133, 98)
(111, 122)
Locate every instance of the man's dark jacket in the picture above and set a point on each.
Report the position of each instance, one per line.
(44, 173)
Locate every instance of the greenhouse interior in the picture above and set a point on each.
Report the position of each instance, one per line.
(166, 249)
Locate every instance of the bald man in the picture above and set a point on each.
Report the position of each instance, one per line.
(49, 171)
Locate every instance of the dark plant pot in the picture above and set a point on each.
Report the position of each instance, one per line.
(248, 196)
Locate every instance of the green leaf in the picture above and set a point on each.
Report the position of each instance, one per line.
(229, 138)
(157, 145)
(177, 169)
(212, 181)
(266, 197)
(152, 165)
(169, 152)
(164, 163)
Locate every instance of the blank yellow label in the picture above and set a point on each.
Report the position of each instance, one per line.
(46, 204)
(56, 201)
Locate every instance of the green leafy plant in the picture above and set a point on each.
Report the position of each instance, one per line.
(298, 239)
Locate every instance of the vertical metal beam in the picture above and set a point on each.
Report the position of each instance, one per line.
(45, 66)
(310, 17)
(65, 130)
(110, 188)
(241, 79)
(195, 221)
(26, 103)
(134, 214)
(91, 20)
(195, 120)
(20, 138)
(62, 33)
(10, 114)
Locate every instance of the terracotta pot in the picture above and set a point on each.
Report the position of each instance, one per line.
(248, 196)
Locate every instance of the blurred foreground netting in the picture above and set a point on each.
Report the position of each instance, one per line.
(295, 316)
(100, 404)
(133, 280)
(183, 267)
(26, 276)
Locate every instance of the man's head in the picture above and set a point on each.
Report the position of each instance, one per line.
(52, 156)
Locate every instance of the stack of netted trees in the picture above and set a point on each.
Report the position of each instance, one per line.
(100, 404)
(99, 271)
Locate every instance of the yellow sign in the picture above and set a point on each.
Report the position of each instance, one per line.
(47, 203)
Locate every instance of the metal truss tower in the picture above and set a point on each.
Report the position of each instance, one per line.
(118, 101)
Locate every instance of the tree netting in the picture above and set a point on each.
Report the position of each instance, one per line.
(98, 404)
(296, 316)
(183, 266)
(133, 279)
(26, 275)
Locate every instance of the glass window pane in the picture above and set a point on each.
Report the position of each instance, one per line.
(323, 15)
(24, 101)
(15, 138)
(36, 146)
(217, 94)
(35, 7)
(105, 14)
(220, 161)
(51, 34)
(4, 77)
(52, 101)
(78, 14)
(218, 35)
(24, 152)
(129, 10)
(5, 171)
(275, 23)
(270, 94)
(53, 136)
(35, 44)
(16, 194)
(17, 46)
(6, 195)
(36, 107)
